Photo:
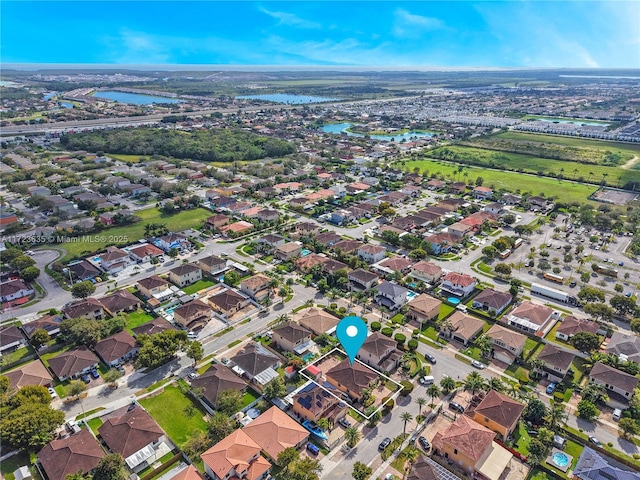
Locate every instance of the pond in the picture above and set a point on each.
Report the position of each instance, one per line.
(407, 136)
(134, 98)
(288, 98)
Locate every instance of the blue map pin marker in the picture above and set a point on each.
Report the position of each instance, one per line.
(352, 332)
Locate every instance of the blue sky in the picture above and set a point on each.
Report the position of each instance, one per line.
(516, 33)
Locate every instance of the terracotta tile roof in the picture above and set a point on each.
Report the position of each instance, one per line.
(80, 452)
(493, 298)
(371, 249)
(459, 279)
(69, 363)
(189, 473)
(397, 264)
(356, 378)
(501, 409)
(292, 332)
(317, 320)
(146, 249)
(424, 303)
(609, 375)
(256, 282)
(507, 336)
(235, 452)
(275, 431)
(427, 268)
(33, 373)
(532, 312)
(377, 344)
(309, 261)
(469, 437)
(572, 325)
(127, 431)
(465, 325)
(115, 347)
(215, 380)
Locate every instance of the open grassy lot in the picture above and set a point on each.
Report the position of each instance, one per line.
(563, 191)
(137, 318)
(127, 158)
(543, 166)
(11, 464)
(614, 147)
(132, 233)
(169, 410)
(199, 285)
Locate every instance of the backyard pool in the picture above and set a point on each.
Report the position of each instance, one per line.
(411, 295)
(453, 300)
(305, 252)
(560, 459)
(308, 357)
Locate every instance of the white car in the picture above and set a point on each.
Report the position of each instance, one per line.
(477, 364)
(52, 392)
(193, 375)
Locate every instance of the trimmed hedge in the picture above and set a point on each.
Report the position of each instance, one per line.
(387, 331)
(376, 326)
(400, 338)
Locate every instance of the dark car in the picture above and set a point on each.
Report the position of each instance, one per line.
(384, 444)
(424, 443)
(85, 378)
(94, 374)
(595, 441)
(313, 449)
(344, 422)
(456, 406)
(430, 358)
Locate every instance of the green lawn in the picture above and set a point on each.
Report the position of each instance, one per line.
(445, 311)
(94, 424)
(249, 397)
(519, 373)
(132, 233)
(529, 346)
(17, 358)
(137, 318)
(11, 464)
(614, 147)
(522, 439)
(199, 285)
(168, 409)
(564, 191)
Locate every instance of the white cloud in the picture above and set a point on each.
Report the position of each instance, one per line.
(409, 25)
(291, 19)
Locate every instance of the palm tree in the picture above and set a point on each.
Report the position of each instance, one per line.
(352, 435)
(323, 423)
(557, 416)
(448, 384)
(421, 401)
(434, 391)
(406, 417)
(496, 384)
(483, 342)
(474, 382)
(410, 454)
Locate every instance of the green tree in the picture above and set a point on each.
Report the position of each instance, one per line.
(474, 382)
(421, 402)
(502, 269)
(434, 391)
(83, 289)
(406, 417)
(448, 384)
(173, 253)
(196, 444)
(195, 352)
(288, 456)
(591, 294)
(29, 274)
(76, 388)
(39, 338)
(538, 451)
(587, 410)
(490, 252)
(557, 416)
(274, 389)
(220, 425)
(111, 467)
(112, 376)
(635, 325)
(585, 341)
(231, 278)
(361, 471)
(628, 427)
(159, 348)
(352, 436)
(599, 311)
(229, 401)
(535, 411)
(594, 393)
(623, 305)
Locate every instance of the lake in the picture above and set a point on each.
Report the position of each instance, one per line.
(66, 104)
(288, 98)
(342, 128)
(49, 96)
(576, 121)
(134, 98)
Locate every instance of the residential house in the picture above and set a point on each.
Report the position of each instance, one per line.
(156, 325)
(557, 362)
(510, 199)
(117, 349)
(307, 229)
(423, 309)
(275, 431)
(120, 301)
(136, 189)
(471, 448)
(313, 402)
(114, 260)
(11, 339)
(393, 265)
(227, 303)
(173, 240)
(292, 337)
(73, 363)
(361, 279)
(347, 246)
(212, 264)
(426, 271)
(507, 344)
(270, 241)
(371, 253)
(256, 363)
(594, 465)
(87, 308)
(217, 221)
(185, 274)
(66, 456)
(236, 456)
(458, 284)
(193, 315)
(83, 270)
(498, 413)
(442, 242)
(424, 468)
(132, 433)
(459, 229)
(625, 346)
(492, 301)
(215, 380)
(288, 251)
(615, 381)
(380, 352)
(235, 229)
(327, 239)
(571, 325)
(532, 318)
(494, 208)
(145, 252)
(48, 323)
(154, 287)
(457, 187)
(391, 295)
(317, 320)
(306, 263)
(482, 193)
(462, 327)
(351, 379)
(32, 373)
(188, 473)
(14, 290)
(331, 266)
(256, 287)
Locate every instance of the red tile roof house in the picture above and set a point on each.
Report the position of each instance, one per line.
(132, 433)
(79, 452)
(532, 318)
(145, 252)
(237, 456)
(73, 363)
(462, 328)
(193, 315)
(121, 301)
(275, 431)
(351, 379)
(458, 284)
(117, 348)
(215, 380)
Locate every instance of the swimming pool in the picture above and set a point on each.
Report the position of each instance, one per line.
(411, 295)
(453, 300)
(308, 357)
(96, 259)
(305, 252)
(560, 459)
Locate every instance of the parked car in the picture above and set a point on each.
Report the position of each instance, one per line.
(193, 375)
(424, 443)
(477, 364)
(313, 449)
(224, 360)
(344, 422)
(456, 406)
(595, 441)
(121, 369)
(94, 374)
(52, 392)
(430, 358)
(85, 378)
(551, 388)
(384, 444)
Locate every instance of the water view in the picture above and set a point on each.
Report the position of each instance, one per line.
(577, 121)
(49, 96)
(66, 104)
(407, 136)
(134, 98)
(288, 98)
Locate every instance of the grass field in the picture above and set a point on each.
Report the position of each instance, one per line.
(615, 147)
(132, 233)
(563, 191)
(168, 410)
(548, 167)
(127, 158)
(199, 285)
(136, 319)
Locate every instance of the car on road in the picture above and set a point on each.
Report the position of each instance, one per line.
(344, 422)
(572, 284)
(456, 406)
(424, 443)
(595, 441)
(85, 378)
(477, 364)
(224, 254)
(430, 358)
(551, 388)
(94, 374)
(52, 392)
(426, 380)
(384, 444)
(192, 335)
